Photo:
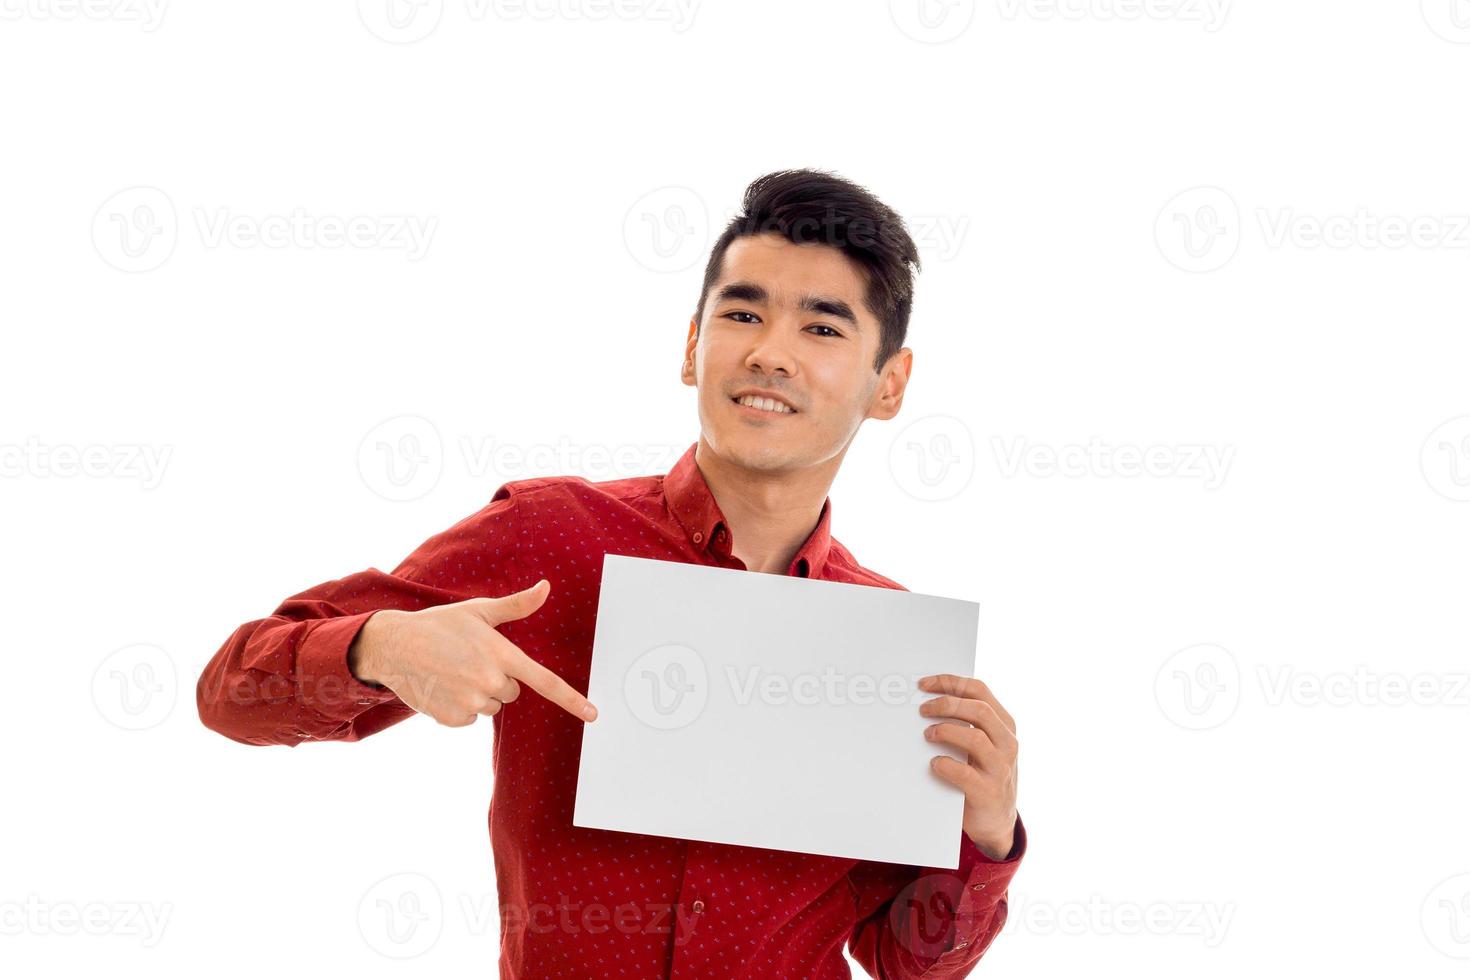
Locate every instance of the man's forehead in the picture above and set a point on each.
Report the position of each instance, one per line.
(788, 272)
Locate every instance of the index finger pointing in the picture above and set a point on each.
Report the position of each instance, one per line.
(545, 682)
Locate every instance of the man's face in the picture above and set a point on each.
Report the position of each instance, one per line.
(790, 320)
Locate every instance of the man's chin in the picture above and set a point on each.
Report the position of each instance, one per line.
(755, 450)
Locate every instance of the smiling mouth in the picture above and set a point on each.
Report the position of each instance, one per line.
(764, 406)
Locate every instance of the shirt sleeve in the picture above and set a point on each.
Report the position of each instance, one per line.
(933, 923)
(284, 679)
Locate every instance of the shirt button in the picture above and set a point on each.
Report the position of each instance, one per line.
(698, 536)
(961, 945)
(698, 907)
(977, 887)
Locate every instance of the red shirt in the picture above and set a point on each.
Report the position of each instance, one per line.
(576, 902)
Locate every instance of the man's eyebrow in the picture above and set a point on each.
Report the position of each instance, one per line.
(750, 292)
(835, 308)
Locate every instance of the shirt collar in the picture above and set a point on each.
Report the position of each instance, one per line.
(693, 505)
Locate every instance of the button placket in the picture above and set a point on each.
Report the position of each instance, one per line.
(688, 957)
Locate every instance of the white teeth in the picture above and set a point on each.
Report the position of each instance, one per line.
(766, 404)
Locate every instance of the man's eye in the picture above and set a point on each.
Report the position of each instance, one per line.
(737, 313)
(823, 326)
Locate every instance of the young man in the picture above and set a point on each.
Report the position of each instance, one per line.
(797, 339)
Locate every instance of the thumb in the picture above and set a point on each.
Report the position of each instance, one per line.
(517, 605)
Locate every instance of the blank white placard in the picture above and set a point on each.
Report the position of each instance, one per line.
(770, 711)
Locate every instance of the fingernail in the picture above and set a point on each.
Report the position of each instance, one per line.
(590, 713)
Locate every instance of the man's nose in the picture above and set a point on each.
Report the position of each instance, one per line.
(771, 351)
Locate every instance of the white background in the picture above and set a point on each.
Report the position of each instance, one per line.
(1178, 226)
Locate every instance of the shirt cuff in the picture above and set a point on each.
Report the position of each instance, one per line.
(324, 682)
(982, 896)
(971, 855)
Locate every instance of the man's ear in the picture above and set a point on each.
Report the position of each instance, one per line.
(686, 372)
(892, 382)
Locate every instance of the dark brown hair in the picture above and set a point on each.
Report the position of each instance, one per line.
(817, 207)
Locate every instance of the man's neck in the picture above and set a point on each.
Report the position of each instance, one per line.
(770, 515)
